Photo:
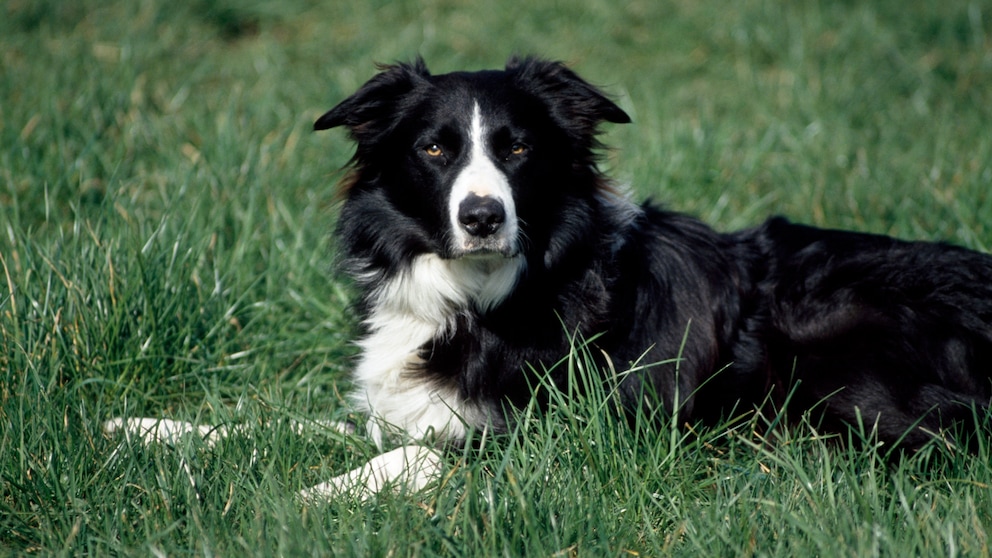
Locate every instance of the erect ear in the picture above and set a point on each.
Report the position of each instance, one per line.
(376, 102)
(573, 102)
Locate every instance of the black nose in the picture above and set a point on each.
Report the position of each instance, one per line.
(481, 216)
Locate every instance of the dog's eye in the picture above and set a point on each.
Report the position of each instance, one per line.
(434, 150)
(518, 149)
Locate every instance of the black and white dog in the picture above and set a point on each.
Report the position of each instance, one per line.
(483, 238)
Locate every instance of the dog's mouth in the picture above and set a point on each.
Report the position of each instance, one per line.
(485, 249)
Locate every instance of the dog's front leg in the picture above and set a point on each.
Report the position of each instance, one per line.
(168, 431)
(152, 430)
(408, 467)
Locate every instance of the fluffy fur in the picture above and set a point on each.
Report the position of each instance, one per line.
(482, 234)
(483, 237)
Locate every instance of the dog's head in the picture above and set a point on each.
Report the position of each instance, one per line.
(467, 164)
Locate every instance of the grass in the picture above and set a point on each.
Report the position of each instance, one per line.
(164, 251)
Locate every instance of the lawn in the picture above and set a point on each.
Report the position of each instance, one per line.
(166, 250)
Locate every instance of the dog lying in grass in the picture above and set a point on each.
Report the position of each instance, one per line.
(483, 237)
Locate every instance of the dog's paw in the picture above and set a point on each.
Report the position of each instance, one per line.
(159, 430)
(410, 468)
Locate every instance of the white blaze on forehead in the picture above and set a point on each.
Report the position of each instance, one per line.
(480, 176)
(483, 178)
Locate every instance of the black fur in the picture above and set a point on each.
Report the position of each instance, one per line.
(846, 323)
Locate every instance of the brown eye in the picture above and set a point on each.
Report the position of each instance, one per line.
(433, 150)
(518, 149)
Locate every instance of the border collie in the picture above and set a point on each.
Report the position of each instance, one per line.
(483, 238)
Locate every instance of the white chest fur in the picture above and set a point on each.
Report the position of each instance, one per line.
(407, 312)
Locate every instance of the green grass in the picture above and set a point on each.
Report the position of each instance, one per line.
(164, 251)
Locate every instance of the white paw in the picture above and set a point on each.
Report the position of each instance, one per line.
(406, 468)
(159, 430)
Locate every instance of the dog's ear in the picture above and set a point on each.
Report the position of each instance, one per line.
(375, 102)
(573, 102)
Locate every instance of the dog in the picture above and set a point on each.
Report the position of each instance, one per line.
(484, 238)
